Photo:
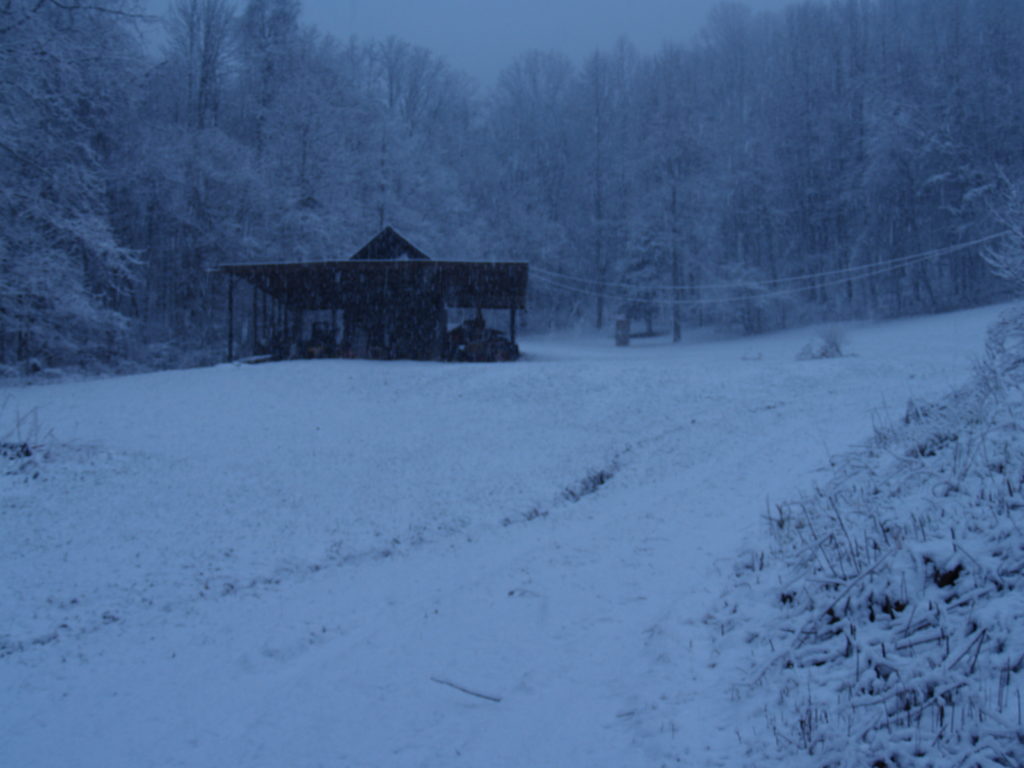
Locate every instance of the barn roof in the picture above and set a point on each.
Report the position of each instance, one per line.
(387, 266)
(389, 246)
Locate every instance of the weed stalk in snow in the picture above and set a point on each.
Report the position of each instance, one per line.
(896, 592)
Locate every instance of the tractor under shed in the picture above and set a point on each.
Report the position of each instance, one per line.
(388, 301)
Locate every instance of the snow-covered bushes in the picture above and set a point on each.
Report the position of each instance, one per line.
(829, 343)
(890, 610)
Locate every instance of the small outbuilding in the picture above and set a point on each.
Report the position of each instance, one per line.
(388, 301)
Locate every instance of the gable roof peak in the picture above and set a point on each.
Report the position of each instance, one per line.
(388, 245)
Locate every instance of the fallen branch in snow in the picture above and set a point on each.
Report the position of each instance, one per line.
(450, 684)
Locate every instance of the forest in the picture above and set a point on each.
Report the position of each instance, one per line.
(835, 160)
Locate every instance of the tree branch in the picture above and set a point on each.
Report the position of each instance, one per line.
(72, 6)
(19, 157)
(483, 696)
(76, 6)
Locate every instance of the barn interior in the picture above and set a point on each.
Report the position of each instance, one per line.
(388, 301)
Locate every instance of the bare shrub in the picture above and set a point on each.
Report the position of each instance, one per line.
(829, 344)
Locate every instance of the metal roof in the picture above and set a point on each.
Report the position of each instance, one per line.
(338, 284)
(387, 268)
(388, 246)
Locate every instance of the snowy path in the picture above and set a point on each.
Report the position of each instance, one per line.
(275, 565)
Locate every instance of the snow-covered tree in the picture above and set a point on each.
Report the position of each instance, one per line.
(65, 276)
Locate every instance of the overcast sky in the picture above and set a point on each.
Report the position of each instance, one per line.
(481, 37)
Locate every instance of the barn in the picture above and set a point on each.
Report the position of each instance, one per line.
(387, 301)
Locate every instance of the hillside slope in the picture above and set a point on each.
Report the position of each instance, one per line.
(882, 627)
(389, 564)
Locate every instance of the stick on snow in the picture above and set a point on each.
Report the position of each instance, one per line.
(484, 696)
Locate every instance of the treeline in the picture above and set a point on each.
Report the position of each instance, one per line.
(817, 162)
(784, 167)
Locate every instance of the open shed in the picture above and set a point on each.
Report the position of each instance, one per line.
(389, 300)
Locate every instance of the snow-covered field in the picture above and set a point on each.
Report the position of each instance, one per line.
(350, 563)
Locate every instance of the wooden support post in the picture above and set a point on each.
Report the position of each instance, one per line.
(231, 318)
(512, 325)
(255, 328)
(622, 332)
(264, 316)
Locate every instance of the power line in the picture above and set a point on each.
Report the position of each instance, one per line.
(558, 282)
(708, 302)
(852, 273)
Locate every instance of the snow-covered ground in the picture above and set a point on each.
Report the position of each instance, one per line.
(351, 563)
